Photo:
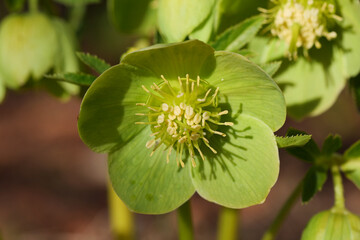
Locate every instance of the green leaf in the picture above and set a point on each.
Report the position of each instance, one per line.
(24, 57)
(354, 84)
(237, 36)
(351, 167)
(331, 145)
(94, 62)
(81, 79)
(15, 5)
(313, 182)
(148, 184)
(248, 88)
(129, 15)
(227, 178)
(77, 2)
(178, 18)
(271, 68)
(309, 152)
(333, 225)
(292, 141)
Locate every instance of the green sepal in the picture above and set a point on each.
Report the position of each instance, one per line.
(226, 178)
(24, 57)
(239, 35)
(94, 62)
(331, 145)
(147, 184)
(309, 152)
(14, 5)
(292, 141)
(2, 88)
(81, 79)
(351, 167)
(177, 19)
(333, 225)
(313, 182)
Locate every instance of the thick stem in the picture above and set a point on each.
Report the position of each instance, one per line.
(228, 224)
(272, 231)
(33, 6)
(185, 222)
(121, 219)
(338, 188)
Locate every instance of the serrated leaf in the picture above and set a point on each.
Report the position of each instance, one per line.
(271, 68)
(14, 5)
(331, 144)
(351, 167)
(237, 36)
(99, 65)
(354, 84)
(77, 2)
(313, 182)
(309, 152)
(81, 79)
(292, 141)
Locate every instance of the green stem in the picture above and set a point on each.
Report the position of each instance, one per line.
(228, 224)
(272, 231)
(185, 222)
(77, 15)
(338, 188)
(33, 6)
(121, 219)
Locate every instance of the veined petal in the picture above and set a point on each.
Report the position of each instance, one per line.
(148, 184)
(107, 113)
(173, 60)
(247, 88)
(245, 168)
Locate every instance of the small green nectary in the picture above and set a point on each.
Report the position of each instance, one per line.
(333, 225)
(180, 118)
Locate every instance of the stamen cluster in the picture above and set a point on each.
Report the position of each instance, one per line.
(301, 23)
(183, 116)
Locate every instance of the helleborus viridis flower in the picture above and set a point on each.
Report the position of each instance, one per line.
(333, 224)
(33, 44)
(321, 39)
(180, 118)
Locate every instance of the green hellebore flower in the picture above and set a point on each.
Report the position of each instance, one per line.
(328, 33)
(180, 118)
(333, 225)
(33, 44)
(27, 47)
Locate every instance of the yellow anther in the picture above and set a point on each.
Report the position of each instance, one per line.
(197, 118)
(160, 118)
(177, 111)
(189, 112)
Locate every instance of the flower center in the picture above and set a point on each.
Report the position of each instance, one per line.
(301, 23)
(183, 115)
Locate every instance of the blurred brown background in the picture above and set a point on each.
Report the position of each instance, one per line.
(53, 187)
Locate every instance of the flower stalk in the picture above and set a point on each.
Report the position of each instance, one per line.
(228, 224)
(185, 227)
(34, 6)
(338, 188)
(121, 219)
